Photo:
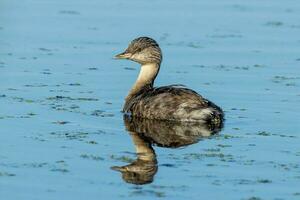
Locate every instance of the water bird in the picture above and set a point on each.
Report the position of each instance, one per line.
(172, 102)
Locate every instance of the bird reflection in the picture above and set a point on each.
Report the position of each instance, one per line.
(169, 134)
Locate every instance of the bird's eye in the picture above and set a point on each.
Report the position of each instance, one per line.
(139, 49)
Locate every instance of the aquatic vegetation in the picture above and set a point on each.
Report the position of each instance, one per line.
(67, 98)
(6, 174)
(274, 23)
(91, 157)
(125, 159)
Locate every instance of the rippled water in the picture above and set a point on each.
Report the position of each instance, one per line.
(61, 94)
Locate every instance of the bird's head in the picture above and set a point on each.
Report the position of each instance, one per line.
(143, 50)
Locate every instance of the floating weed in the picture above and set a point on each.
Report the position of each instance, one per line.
(60, 108)
(62, 98)
(254, 198)
(287, 167)
(122, 158)
(216, 182)
(224, 145)
(252, 182)
(6, 174)
(181, 72)
(181, 187)
(44, 49)
(36, 165)
(174, 157)
(281, 135)
(60, 122)
(294, 26)
(213, 150)
(242, 68)
(10, 117)
(148, 192)
(245, 182)
(274, 23)
(28, 115)
(60, 166)
(223, 36)
(264, 181)
(263, 133)
(60, 163)
(210, 165)
(73, 84)
(229, 67)
(248, 162)
(194, 45)
(226, 136)
(86, 92)
(20, 99)
(36, 85)
(91, 157)
(92, 68)
(69, 12)
(47, 73)
(86, 99)
(101, 113)
(77, 135)
(200, 156)
(129, 68)
(92, 142)
(168, 165)
(285, 80)
(62, 170)
(290, 84)
(62, 91)
(258, 65)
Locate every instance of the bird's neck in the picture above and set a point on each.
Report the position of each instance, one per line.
(145, 79)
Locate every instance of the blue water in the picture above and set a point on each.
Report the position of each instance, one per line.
(61, 94)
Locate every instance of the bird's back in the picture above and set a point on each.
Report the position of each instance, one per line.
(173, 102)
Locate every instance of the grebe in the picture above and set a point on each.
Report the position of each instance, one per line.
(173, 102)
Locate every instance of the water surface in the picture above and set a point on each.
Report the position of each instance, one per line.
(61, 94)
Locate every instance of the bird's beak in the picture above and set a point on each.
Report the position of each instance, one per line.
(117, 168)
(123, 55)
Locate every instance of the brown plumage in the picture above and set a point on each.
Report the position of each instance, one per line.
(173, 102)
